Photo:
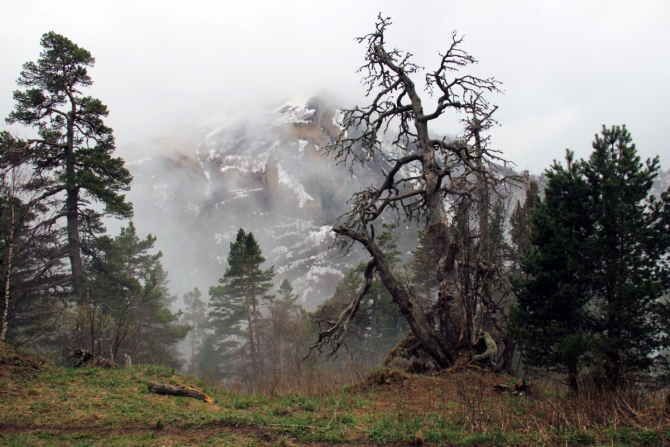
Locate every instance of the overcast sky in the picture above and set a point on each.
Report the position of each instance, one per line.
(567, 66)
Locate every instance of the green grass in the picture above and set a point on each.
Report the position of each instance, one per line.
(97, 407)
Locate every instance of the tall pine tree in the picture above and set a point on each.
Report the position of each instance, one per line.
(73, 153)
(598, 268)
(236, 303)
(629, 255)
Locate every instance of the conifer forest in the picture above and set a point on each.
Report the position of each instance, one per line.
(319, 273)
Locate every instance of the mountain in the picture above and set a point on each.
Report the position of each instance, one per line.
(263, 172)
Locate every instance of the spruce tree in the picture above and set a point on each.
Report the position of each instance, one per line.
(549, 319)
(128, 288)
(286, 296)
(235, 303)
(73, 153)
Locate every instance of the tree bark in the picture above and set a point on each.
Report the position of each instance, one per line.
(252, 336)
(72, 211)
(431, 340)
(74, 243)
(422, 197)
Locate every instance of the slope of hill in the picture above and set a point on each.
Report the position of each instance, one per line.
(53, 406)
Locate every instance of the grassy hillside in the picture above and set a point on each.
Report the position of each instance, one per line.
(43, 405)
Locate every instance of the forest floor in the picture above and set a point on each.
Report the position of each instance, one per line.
(45, 405)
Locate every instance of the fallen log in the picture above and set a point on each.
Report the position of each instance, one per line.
(176, 390)
(82, 357)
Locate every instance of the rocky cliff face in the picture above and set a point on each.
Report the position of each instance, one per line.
(266, 174)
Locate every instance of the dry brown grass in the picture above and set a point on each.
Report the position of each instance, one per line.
(309, 380)
(548, 415)
(57, 406)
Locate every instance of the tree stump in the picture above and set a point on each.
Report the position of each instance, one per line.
(83, 357)
(176, 390)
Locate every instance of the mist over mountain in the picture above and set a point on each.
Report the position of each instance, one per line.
(263, 172)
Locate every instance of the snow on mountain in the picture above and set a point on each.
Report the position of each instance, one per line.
(267, 175)
(296, 111)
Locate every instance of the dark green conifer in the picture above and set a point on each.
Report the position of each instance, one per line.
(128, 287)
(235, 303)
(629, 254)
(73, 153)
(549, 319)
(597, 272)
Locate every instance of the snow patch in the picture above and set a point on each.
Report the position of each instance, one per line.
(319, 270)
(278, 252)
(294, 185)
(338, 117)
(239, 194)
(302, 144)
(295, 111)
(317, 237)
(248, 162)
(303, 297)
(314, 276)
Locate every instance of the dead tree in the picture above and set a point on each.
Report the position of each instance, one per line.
(419, 179)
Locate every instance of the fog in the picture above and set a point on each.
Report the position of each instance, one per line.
(567, 66)
(261, 171)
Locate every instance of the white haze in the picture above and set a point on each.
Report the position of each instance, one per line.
(567, 66)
